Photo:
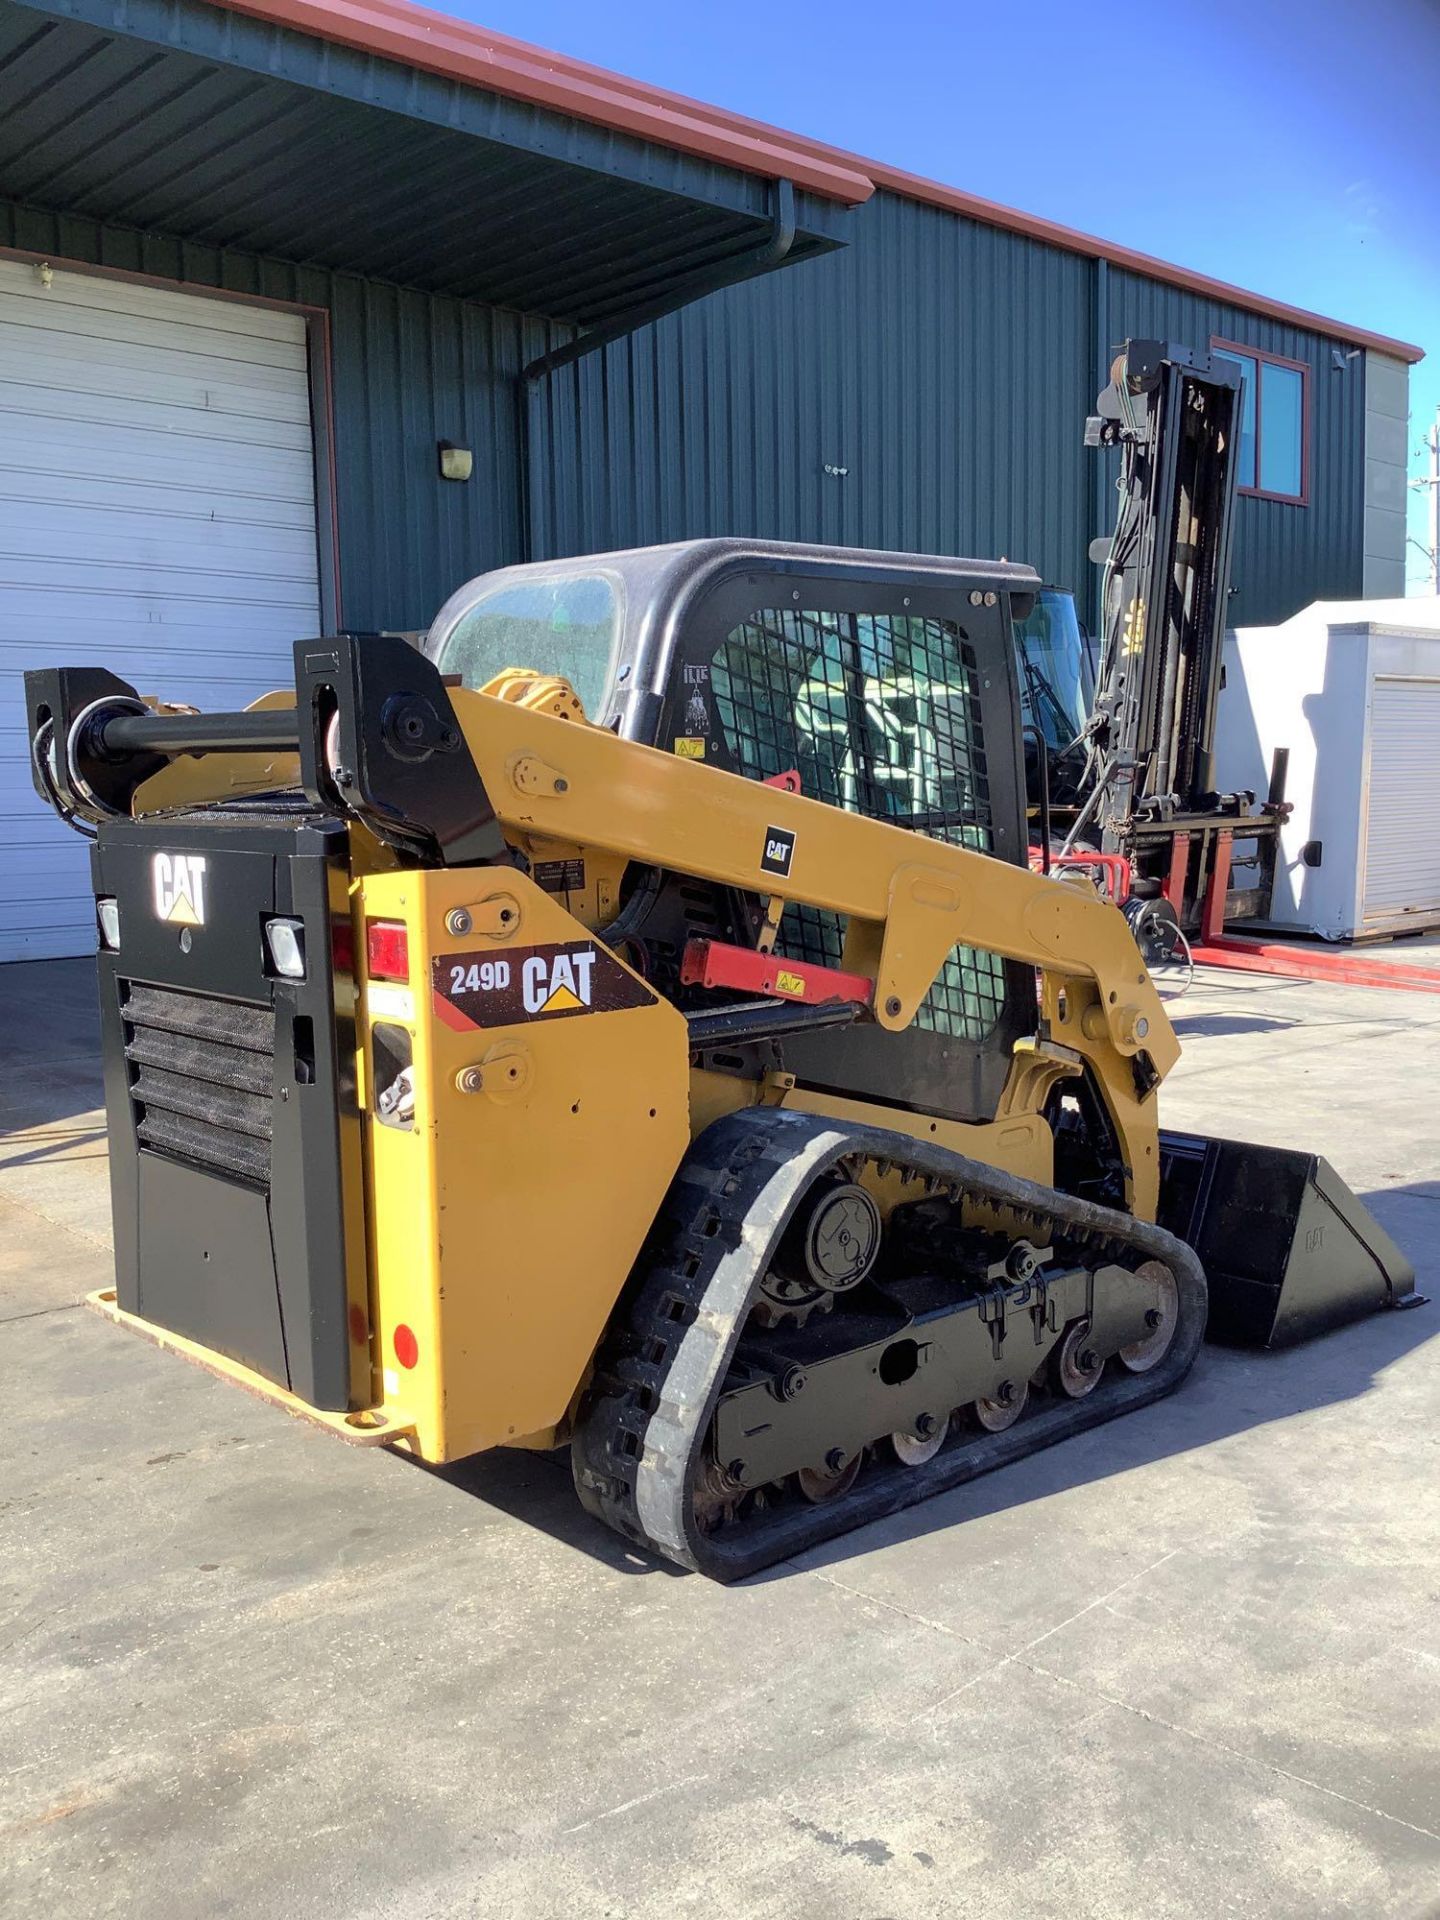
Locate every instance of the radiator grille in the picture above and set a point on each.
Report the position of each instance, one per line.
(201, 1078)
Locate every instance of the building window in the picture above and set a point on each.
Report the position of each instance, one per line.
(1274, 423)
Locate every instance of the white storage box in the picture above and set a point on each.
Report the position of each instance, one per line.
(1353, 690)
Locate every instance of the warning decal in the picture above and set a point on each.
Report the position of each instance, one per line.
(532, 983)
(559, 876)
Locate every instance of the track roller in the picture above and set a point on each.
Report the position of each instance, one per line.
(1077, 1369)
(915, 1449)
(829, 1481)
(1001, 1410)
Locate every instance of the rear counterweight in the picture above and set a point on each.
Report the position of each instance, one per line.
(234, 1129)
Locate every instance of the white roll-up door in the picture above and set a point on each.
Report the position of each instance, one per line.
(157, 517)
(1402, 851)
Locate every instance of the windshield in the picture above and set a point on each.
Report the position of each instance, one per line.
(1056, 673)
(562, 623)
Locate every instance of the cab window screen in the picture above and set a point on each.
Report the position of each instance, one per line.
(879, 714)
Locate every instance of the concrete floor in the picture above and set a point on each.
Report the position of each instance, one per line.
(1186, 1665)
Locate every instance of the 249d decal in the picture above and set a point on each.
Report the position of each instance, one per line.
(532, 983)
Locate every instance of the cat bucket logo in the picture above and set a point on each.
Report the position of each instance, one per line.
(779, 851)
(531, 983)
(559, 985)
(178, 880)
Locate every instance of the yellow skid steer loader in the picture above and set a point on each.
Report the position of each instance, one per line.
(631, 1022)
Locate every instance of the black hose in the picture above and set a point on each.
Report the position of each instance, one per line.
(636, 911)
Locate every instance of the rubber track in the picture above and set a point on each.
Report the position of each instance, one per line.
(660, 1371)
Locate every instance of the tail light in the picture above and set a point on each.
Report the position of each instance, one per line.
(387, 950)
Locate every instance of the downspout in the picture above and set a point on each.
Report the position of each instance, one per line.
(770, 253)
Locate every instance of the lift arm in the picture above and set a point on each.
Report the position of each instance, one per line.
(909, 900)
(445, 775)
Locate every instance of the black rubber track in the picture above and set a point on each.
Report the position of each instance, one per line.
(643, 1430)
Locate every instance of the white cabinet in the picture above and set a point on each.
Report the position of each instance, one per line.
(1353, 691)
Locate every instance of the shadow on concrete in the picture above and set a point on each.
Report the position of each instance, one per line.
(1188, 1025)
(50, 1043)
(1229, 1391)
(536, 1489)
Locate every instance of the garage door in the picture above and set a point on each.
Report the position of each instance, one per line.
(157, 517)
(1402, 850)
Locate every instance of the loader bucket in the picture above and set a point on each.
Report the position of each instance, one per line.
(1288, 1249)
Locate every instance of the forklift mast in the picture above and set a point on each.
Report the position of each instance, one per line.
(1174, 415)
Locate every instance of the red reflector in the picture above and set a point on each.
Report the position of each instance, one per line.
(342, 946)
(387, 950)
(407, 1347)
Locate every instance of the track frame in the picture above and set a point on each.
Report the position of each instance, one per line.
(641, 1440)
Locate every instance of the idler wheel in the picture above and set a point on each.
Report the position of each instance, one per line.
(717, 1496)
(1162, 1318)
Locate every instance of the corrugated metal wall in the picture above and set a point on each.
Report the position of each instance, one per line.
(408, 369)
(924, 388)
(948, 368)
(412, 369)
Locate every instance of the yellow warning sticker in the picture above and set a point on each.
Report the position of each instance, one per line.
(1133, 638)
(690, 749)
(789, 983)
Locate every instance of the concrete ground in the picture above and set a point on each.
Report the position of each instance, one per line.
(1186, 1665)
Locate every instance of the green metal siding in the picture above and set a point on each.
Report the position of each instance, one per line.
(303, 65)
(411, 369)
(174, 117)
(946, 367)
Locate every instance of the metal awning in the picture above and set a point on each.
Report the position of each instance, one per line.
(185, 119)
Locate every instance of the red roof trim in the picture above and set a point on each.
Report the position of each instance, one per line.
(457, 50)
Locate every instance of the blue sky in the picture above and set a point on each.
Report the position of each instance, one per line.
(1289, 146)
